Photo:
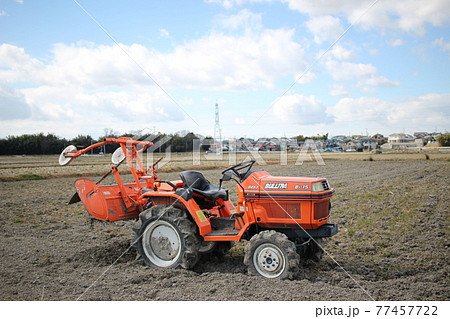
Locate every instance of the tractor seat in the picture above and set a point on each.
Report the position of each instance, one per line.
(200, 185)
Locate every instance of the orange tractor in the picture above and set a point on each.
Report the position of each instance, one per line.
(283, 218)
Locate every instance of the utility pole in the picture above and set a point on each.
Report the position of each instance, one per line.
(217, 132)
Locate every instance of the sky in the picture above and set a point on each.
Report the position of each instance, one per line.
(275, 67)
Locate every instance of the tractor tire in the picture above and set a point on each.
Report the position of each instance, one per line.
(272, 255)
(215, 248)
(166, 238)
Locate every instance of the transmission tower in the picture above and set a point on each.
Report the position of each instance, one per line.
(217, 132)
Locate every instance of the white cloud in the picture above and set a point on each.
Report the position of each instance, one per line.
(163, 33)
(341, 53)
(223, 62)
(214, 62)
(304, 78)
(3, 13)
(409, 16)
(339, 90)
(366, 75)
(425, 111)
(362, 109)
(96, 67)
(428, 110)
(228, 4)
(441, 43)
(12, 104)
(97, 84)
(17, 66)
(300, 109)
(244, 19)
(65, 103)
(325, 28)
(406, 15)
(396, 42)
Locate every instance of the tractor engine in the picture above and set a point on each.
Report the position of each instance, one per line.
(287, 202)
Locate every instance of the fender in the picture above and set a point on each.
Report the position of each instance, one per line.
(178, 201)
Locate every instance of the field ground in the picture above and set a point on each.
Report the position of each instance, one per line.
(392, 211)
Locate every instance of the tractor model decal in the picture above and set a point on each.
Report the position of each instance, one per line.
(276, 186)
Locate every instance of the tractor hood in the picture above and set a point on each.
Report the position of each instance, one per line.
(262, 184)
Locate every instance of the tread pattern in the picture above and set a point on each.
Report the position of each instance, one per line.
(281, 240)
(190, 239)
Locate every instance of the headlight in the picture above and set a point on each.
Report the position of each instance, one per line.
(320, 186)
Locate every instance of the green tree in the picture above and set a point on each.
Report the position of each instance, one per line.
(301, 138)
(444, 139)
(207, 142)
(32, 144)
(82, 141)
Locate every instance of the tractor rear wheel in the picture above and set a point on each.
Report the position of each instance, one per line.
(272, 255)
(166, 238)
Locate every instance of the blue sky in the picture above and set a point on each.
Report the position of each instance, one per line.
(276, 67)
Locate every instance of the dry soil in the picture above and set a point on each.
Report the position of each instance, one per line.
(393, 243)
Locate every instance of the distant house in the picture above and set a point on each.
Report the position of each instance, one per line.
(267, 144)
(291, 144)
(242, 145)
(426, 137)
(339, 137)
(357, 137)
(320, 144)
(270, 146)
(338, 142)
(402, 141)
(380, 138)
(368, 144)
(420, 134)
(351, 145)
(258, 146)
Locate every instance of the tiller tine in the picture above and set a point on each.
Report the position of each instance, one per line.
(75, 199)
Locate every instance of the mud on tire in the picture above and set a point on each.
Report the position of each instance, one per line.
(166, 238)
(272, 255)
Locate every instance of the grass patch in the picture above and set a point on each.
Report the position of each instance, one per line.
(29, 177)
(351, 232)
(19, 220)
(364, 222)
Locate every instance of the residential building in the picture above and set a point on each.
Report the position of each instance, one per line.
(402, 141)
(368, 144)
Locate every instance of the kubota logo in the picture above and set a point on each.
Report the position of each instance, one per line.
(276, 186)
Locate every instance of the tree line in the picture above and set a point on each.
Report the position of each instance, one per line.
(41, 144)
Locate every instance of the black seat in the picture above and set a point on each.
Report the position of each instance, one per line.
(200, 185)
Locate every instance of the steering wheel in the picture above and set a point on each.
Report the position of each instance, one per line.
(236, 169)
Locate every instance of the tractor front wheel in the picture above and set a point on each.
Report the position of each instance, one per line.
(166, 238)
(272, 255)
